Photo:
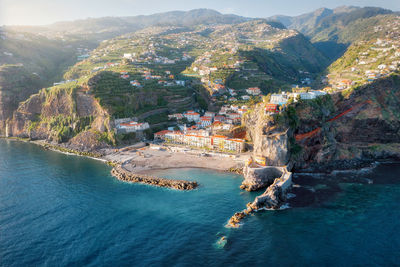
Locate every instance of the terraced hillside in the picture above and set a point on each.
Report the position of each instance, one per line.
(375, 54)
(170, 64)
(333, 30)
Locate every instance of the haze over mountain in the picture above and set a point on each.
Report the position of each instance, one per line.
(107, 27)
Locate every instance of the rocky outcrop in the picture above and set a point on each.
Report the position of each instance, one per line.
(62, 115)
(259, 177)
(361, 128)
(126, 176)
(273, 198)
(270, 140)
(275, 194)
(339, 131)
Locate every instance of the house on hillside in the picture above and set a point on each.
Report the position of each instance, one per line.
(161, 134)
(192, 116)
(273, 108)
(135, 83)
(279, 99)
(219, 118)
(253, 91)
(179, 82)
(209, 114)
(132, 126)
(205, 121)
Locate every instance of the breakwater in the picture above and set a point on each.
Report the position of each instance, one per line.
(126, 176)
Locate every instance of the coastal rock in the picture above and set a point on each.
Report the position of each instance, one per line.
(63, 115)
(273, 198)
(275, 195)
(259, 177)
(270, 140)
(235, 170)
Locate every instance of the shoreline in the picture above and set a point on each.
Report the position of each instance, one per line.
(109, 159)
(150, 159)
(185, 167)
(144, 174)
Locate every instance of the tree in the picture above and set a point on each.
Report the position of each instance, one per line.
(267, 98)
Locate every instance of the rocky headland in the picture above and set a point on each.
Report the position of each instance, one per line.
(274, 196)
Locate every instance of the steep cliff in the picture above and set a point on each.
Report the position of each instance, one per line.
(270, 136)
(362, 125)
(63, 114)
(16, 85)
(342, 130)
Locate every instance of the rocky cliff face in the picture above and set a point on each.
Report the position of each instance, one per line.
(63, 114)
(344, 130)
(270, 139)
(364, 126)
(16, 85)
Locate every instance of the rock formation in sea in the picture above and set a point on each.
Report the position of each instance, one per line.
(273, 197)
(257, 177)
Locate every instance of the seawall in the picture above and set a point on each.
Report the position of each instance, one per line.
(127, 176)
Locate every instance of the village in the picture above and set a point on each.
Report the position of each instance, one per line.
(214, 131)
(368, 60)
(147, 62)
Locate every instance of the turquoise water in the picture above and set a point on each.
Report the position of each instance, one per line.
(60, 210)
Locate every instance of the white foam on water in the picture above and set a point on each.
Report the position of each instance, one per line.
(285, 206)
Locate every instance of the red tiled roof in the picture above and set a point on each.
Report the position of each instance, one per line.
(271, 105)
(131, 123)
(236, 140)
(220, 136)
(163, 132)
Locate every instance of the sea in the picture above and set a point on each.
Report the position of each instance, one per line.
(66, 210)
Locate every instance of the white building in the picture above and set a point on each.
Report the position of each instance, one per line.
(279, 99)
(192, 116)
(209, 114)
(133, 126)
(233, 115)
(205, 121)
(178, 82)
(253, 91)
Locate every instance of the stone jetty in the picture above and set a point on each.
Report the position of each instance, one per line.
(126, 176)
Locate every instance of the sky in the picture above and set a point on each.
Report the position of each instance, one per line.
(40, 12)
